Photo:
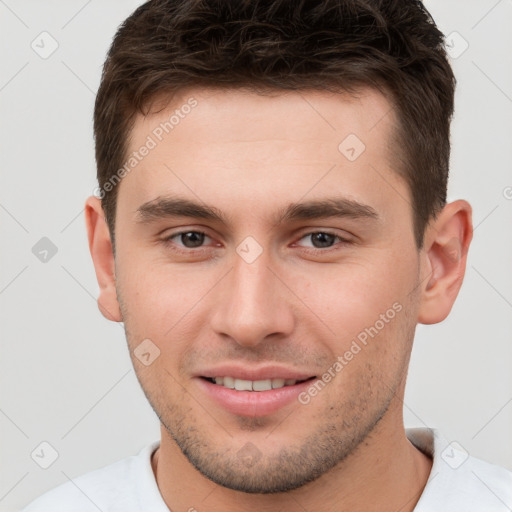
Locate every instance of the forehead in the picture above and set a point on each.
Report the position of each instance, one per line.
(217, 143)
(239, 114)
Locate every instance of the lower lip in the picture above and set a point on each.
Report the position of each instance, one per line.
(253, 403)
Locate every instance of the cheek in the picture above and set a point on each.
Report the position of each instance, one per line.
(162, 302)
(354, 295)
(370, 364)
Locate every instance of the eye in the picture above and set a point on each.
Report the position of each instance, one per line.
(323, 239)
(188, 239)
(196, 240)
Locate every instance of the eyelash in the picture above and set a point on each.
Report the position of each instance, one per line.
(168, 242)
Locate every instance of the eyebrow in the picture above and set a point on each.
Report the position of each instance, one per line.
(169, 207)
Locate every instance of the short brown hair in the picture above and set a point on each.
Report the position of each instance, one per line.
(166, 46)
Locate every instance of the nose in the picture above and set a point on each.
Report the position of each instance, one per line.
(252, 303)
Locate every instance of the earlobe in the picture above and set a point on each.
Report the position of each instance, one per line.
(447, 241)
(100, 247)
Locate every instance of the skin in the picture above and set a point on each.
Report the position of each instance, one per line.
(298, 304)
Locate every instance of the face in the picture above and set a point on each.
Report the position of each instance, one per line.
(266, 243)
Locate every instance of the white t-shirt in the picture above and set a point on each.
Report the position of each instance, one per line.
(457, 483)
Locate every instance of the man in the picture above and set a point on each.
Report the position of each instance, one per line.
(271, 225)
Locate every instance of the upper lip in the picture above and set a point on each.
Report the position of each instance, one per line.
(261, 373)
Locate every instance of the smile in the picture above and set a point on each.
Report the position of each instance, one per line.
(253, 385)
(263, 395)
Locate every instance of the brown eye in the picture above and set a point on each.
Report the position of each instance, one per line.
(322, 239)
(188, 239)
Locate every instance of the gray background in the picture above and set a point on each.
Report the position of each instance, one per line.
(65, 375)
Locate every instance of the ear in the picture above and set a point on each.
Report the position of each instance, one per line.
(100, 247)
(446, 245)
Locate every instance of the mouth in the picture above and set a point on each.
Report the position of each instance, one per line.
(254, 385)
(263, 395)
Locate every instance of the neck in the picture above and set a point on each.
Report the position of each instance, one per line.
(385, 469)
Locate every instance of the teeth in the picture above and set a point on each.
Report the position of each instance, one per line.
(243, 385)
(277, 383)
(229, 382)
(253, 385)
(262, 385)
